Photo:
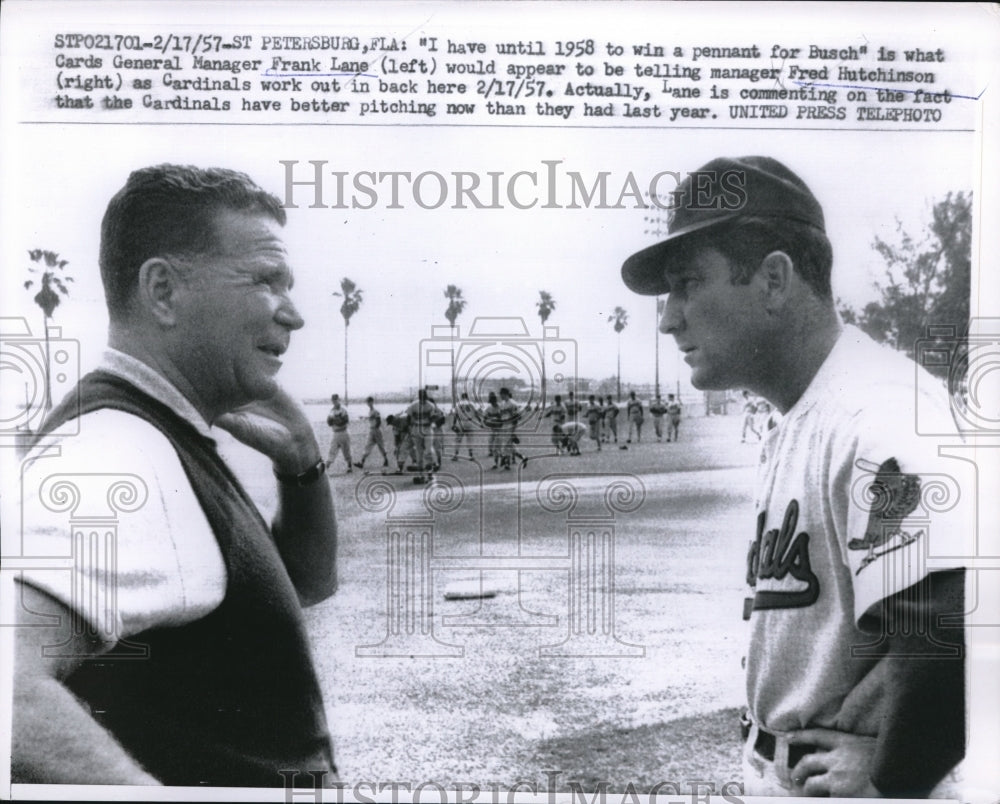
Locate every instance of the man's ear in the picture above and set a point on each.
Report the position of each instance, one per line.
(158, 290)
(776, 273)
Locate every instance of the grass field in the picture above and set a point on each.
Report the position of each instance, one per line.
(503, 712)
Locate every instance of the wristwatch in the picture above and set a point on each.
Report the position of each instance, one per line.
(306, 478)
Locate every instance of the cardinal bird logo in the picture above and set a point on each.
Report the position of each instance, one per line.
(895, 495)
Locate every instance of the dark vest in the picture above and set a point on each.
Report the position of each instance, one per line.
(231, 699)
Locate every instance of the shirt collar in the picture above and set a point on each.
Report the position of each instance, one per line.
(150, 381)
(833, 373)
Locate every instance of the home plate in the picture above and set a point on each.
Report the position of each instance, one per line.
(468, 590)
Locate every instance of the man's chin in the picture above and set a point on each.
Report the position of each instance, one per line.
(260, 390)
(705, 381)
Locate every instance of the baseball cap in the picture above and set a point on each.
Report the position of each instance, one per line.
(720, 192)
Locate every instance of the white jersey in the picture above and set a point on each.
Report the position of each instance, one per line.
(831, 541)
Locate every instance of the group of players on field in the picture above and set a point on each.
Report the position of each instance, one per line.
(419, 440)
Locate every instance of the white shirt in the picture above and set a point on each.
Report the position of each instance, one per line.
(108, 494)
(823, 556)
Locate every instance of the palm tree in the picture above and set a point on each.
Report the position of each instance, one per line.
(53, 279)
(620, 319)
(456, 304)
(545, 304)
(352, 296)
(660, 306)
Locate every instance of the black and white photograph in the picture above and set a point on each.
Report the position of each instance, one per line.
(578, 402)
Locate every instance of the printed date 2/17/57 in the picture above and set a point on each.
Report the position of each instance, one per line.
(199, 43)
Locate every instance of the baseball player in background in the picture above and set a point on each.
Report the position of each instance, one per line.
(855, 675)
(557, 412)
(572, 434)
(400, 424)
(610, 420)
(464, 420)
(374, 435)
(749, 414)
(657, 410)
(572, 407)
(633, 411)
(594, 413)
(337, 420)
(674, 410)
(509, 413)
(421, 415)
(491, 421)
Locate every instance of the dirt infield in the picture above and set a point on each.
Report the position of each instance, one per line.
(500, 711)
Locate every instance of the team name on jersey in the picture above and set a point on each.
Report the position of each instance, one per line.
(776, 554)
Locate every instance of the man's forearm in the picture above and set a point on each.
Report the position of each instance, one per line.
(305, 530)
(923, 734)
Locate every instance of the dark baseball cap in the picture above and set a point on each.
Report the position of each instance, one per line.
(721, 192)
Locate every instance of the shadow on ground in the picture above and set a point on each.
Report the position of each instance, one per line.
(704, 749)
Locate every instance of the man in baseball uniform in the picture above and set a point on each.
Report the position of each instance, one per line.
(465, 420)
(674, 410)
(421, 415)
(337, 420)
(633, 411)
(610, 420)
(657, 409)
(749, 416)
(855, 676)
(557, 412)
(572, 407)
(374, 435)
(509, 413)
(403, 444)
(594, 413)
(572, 434)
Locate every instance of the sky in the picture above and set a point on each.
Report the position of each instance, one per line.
(58, 178)
(403, 259)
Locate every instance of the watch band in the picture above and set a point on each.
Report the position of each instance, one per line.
(306, 478)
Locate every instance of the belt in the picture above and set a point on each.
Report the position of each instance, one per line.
(766, 743)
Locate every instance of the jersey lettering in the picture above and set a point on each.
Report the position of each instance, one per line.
(777, 554)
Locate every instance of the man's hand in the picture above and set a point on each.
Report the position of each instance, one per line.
(278, 428)
(839, 768)
(304, 526)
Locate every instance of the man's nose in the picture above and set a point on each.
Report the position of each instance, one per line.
(288, 315)
(671, 320)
